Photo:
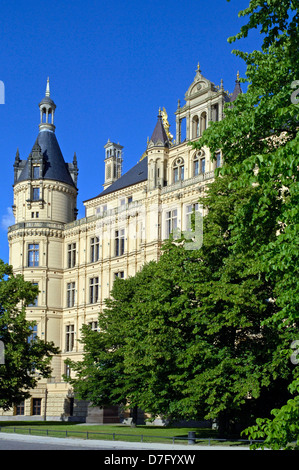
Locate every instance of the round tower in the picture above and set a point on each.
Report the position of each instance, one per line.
(45, 196)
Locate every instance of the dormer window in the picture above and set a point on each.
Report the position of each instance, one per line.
(35, 171)
(35, 194)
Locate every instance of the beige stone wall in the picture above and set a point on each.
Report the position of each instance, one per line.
(144, 222)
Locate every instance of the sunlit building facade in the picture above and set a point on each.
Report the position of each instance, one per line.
(74, 261)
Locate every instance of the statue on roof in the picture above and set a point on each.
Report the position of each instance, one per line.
(166, 124)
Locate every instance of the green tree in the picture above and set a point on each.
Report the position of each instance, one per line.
(260, 143)
(280, 433)
(101, 377)
(183, 338)
(207, 333)
(26, 357)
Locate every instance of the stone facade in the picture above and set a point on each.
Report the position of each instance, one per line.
(74, 262)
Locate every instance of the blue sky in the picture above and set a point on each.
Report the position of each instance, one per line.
(111, 64)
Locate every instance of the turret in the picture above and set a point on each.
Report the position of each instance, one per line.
(45, 186)
(113, 163)
(157, 151)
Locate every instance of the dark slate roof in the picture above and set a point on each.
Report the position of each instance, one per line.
(55, 167)
(135, 175)
(236, 91)
(159, 136)
(47, 100)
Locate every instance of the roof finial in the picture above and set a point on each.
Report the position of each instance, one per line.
(238, 75)
(198, 68)
(48, 87)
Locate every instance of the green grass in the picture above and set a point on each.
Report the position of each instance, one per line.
(118, 432)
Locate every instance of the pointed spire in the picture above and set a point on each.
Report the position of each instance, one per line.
(48, 88)
(238, 90)
(47, 109)
(159, 137)
(75, 159)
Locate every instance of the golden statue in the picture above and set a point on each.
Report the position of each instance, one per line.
(166, 124)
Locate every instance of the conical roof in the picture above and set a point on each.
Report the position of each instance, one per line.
(54, 166)
(237, 89)
(159, 136)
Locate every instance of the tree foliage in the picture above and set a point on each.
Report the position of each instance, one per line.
(207, 333)
(26, 357)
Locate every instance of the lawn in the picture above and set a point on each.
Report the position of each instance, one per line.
(119, 432)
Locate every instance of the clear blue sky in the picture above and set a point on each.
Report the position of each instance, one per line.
(111, 64)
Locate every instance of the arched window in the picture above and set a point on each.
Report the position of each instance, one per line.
(108, 171)
(44, 115)
(195, 165)
(199, 162)
(203, 122)
(195, 127)
(178, 170)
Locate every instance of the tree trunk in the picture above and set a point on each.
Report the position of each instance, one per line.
(134, 413)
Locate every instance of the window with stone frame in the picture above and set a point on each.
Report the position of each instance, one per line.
(94, 249)
(93, 290)
(119, 242)
(33, 255)
(171, 221)
(71, 255)
(178, 170)
(69, 338)
(70, 294)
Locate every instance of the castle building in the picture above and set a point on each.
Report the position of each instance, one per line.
(75, 262)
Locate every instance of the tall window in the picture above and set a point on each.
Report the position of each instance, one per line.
(191, 208)
(195, 127)
(67, 370)
(33, 334)
(178, 170)
(20, 409)
(35, 194)
(69, 337)
(203, 165)
(203, 122)
(218, 159)
(94, 249)
(35, 302)
(36, 406)
(70, 294)
(71, 255)
(33, 255)
(119, 242)
(35, 172)
(195, 167)
(93, 290)
(171, 221)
